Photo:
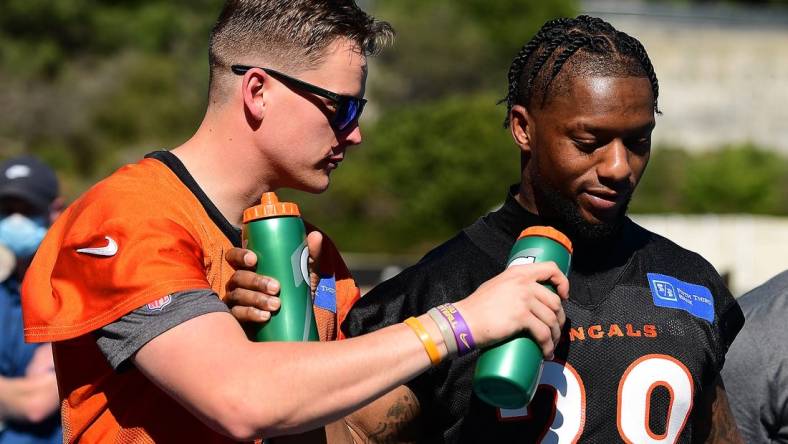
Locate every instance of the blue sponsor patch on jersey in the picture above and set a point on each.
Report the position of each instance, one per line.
(670, 292)
(326, 294)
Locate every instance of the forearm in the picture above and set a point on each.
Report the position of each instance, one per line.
(246, 389)
(249, 389)
(360, 370)
(28, 399)
(723, 425)
(715, 423)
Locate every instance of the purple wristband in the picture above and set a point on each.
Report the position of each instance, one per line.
(465, 342)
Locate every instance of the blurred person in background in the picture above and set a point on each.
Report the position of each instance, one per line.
(29, 203)
(648, 322)
(129, 283)
(756, 372)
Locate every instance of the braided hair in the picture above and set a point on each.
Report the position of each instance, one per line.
(594, 47)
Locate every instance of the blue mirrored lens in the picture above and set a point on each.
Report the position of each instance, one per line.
(348, 113)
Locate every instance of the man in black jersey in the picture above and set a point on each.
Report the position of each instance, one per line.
(648, 323)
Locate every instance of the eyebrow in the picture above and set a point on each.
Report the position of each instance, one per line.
(592, 128)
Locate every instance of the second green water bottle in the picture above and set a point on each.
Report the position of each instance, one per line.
(507, 375)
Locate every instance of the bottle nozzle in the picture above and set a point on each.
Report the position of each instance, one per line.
(269, 198)
(270, 206)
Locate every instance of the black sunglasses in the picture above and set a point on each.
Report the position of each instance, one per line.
(349, 108)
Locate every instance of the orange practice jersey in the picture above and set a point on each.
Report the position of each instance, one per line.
(154, 238)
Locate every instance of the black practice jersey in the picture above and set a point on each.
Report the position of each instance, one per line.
(648, 325)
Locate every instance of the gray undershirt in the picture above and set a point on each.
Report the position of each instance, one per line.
(121, 339)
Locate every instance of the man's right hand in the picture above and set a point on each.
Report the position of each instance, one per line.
(516, 301)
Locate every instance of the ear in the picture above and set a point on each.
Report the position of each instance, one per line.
(253, 85)
(521, 125)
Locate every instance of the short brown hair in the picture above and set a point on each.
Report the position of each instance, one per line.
(288, 35)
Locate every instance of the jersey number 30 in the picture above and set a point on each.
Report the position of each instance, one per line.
(634, 395)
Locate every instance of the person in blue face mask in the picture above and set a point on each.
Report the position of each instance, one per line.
(29, 403)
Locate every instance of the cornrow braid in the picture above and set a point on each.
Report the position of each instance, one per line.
(604, 50)
(515, 72)
(546, 53)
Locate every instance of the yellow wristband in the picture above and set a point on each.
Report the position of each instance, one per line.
(426, 340)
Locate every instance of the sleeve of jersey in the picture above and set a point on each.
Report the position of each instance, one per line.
(99, 265)
(729, 318)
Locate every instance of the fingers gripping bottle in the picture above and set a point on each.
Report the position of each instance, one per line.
(275, 232)
(507, 375)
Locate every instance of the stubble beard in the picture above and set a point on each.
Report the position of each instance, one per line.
(564, 214)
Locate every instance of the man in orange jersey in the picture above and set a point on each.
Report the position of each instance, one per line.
(129, 283)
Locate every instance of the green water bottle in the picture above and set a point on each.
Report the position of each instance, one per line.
(507, 375)
(275, 232)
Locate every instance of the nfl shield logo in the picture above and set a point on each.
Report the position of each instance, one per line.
(159, 304)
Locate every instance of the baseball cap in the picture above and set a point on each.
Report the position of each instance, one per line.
(29, 179)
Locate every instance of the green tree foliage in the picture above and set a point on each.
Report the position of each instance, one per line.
(446, 47)
(91, 84)
(40, 37)
(735, 179)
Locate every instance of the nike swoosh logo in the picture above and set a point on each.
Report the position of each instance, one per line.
(464, 339)
(109, 250)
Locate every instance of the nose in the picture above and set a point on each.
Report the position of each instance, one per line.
(614, 165)
(353, 135)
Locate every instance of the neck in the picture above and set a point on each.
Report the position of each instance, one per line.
(525, 196)
(225, 163)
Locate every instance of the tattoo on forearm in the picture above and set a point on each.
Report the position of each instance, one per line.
(398, 424)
